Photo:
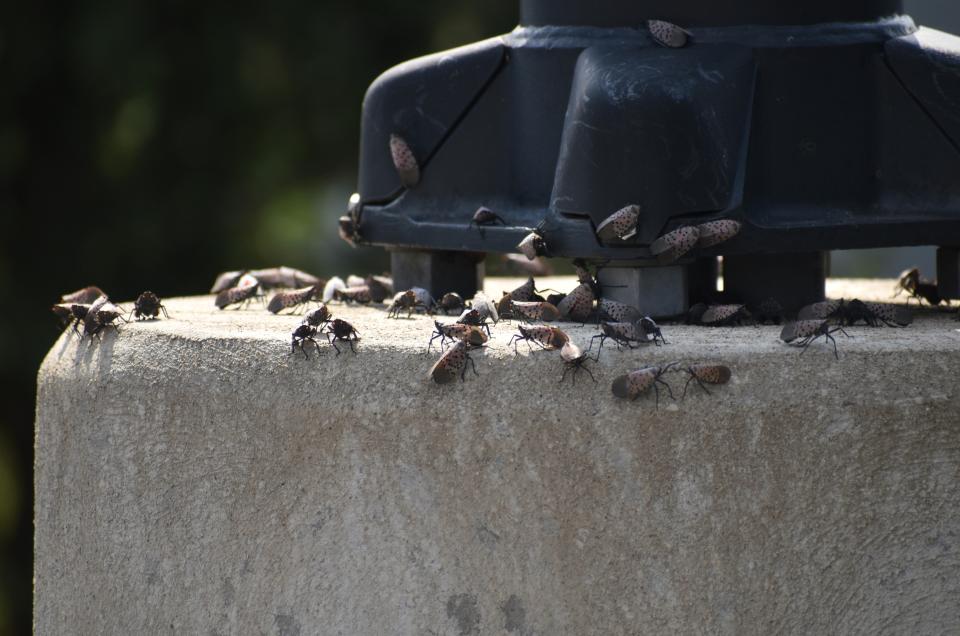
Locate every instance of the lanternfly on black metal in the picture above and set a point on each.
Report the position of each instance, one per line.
(485, 217)
(341, 330)
(806, 331)
(148, 306)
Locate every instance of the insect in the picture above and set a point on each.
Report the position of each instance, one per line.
(709, 373)
(302, 334)
(453, 363)
(548, 338)
(806, 331)
(850, 312)
(404, 300)
(651, 331)
(574, 358)
(726, 316)
(769, 310)
(668, 34)
(101, 314)
(359, 294)
(451, 301)
(457, 331)
(621, 225)
(530, 311)
(404, 161)
(269, 278)
(622, 333)
(631, 385)
(71, 314)
(578, 304)
(381, 287)
(695, 314)
(341, 330)
(318, 316)
(291, 299)
(613, 311)
(675, 244)
(716, 232)
(83, 296)
(247, 288)
(485, 217)
(485, 308)
(525, 292)
(532, 246)
(917, 287)
(348, 225)
(473, 318)
(148, 305)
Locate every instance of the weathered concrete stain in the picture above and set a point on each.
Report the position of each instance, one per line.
(287, 625)
(514, 614)
(464, 610)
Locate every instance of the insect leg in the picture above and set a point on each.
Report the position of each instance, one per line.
(669, 390)
(334, 344)
(686, 384)
(831, 339)
(589, 372)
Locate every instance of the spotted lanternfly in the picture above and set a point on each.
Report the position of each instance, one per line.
(381, 287)
(485, 308)
(716, 232)
(532, 246)
(457, 331)
(247, 289)
(851, 312)
(651, 331)
(451, 301)
(631, 385)
(578, 304)
(406, 300)
(485, 217)
(148, 305)
(769, 310)
(318, 316)
(726, 316)
(709, 373)
(404, 161)
(525, 292)
(668, 34)
(453, 363)
(359, 294)
(331, 287)
(675, 244)
(101, 314)
(301, 335)
(584, 277)
(624, 334)
(226, 280)
(806, 331)
(285, 277)
(621, 225)
(574, 358)
(529, 311)
(919, 288)
(613, 311)
(340, 330)
(473, 318)
(548, 338)
(71, 314)
(291, 299)
(84, 296)
(348, 225)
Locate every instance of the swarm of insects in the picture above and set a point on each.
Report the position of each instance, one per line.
(850, 312)
(453, 363)
(451, 301)
(294, 299)
(342, 330)
(574, 358)
(409, 301)
(247, 289)
(675, 244)
(668, 34)
(706, 373)
(84, 296)
(474, 335)
(716, 232)
(548, 338)
(802, 332)
(631, 385)
(918, 288)
(101, 314)
(621, 225)
(532, 246)
(148, 306)
(404, 161)
(726, 316)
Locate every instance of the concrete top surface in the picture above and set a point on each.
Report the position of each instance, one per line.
(194, 477)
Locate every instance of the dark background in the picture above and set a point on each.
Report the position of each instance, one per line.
(151, 145)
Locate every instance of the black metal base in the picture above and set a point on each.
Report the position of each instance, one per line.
(794, 280)
(438, 272)
(948, 272)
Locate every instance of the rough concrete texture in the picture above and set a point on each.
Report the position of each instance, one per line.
(191, 477)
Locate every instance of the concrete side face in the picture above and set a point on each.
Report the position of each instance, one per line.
(216, 486)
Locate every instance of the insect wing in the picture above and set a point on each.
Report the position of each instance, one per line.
(404, 161)
(667, 34)
(675, 244)
(620, 225)
(716, 232)
(577, 304)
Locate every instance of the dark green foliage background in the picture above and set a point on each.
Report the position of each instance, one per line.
(149, 145)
